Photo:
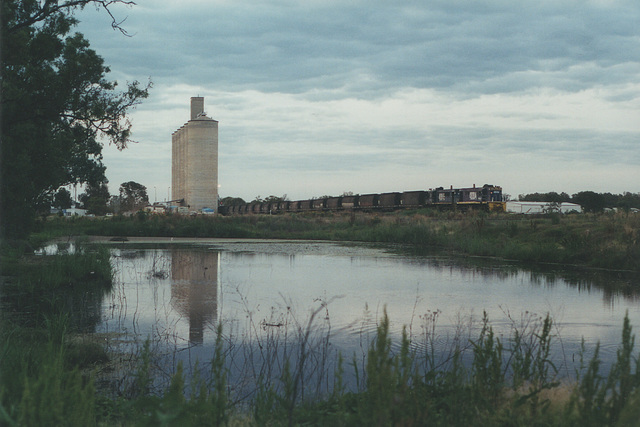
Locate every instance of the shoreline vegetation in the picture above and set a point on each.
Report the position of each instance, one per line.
(49, 376)
(606, 241)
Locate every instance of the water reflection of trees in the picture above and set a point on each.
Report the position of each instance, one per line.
(613, 284)
(31, 304)
(194, 289)
(30, 309)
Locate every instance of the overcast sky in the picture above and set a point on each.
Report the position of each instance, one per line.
(322, 97)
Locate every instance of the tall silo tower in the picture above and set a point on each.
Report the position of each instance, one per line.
(194, 160)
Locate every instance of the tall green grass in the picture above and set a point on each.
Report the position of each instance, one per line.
(38, 387)
(507, 381)
(500, 381)
(205, 403)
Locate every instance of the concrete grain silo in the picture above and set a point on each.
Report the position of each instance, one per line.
(194, 160)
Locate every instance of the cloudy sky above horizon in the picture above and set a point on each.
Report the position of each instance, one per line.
(321, 97)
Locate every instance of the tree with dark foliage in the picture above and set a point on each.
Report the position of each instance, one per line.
(56, 105)
(590, 201)
(133, 196)
(232, 201)
(545, 197)
(276, 199)
(96, 199)
(62, 199)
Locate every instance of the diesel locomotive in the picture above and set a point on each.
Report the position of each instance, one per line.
(488, 197)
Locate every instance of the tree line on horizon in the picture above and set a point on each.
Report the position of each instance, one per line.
(98, 201)
(589, 200)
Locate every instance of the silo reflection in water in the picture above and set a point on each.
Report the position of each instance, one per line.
(194, 289)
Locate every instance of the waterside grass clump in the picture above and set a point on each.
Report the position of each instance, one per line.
(42, 285)
(41, 382)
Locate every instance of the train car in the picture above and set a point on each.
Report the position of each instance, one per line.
(254, 207)
(319, 204)
(492, 195)
(389, 201)
(293, 206)
(413, 199)
(368, 201)
(306, 205)
(273, 208)
(269, 207)
(442, 196)
(334, 203)
(283, 206)
(350, 202)
(470, 197)
(487, 197)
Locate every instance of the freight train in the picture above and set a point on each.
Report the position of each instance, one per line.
(488, 197)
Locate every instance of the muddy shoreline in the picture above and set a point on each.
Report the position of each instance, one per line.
(194, 240)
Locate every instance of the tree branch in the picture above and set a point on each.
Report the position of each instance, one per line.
(49, 7)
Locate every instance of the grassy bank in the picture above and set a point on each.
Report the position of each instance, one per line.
(609, 241)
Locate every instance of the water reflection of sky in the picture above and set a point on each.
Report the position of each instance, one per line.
(409, 288)
(178, 295)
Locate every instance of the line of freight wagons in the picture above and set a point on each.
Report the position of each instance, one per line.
(487, 197)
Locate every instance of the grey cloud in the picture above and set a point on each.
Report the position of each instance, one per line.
(466, 47)
(455, 145)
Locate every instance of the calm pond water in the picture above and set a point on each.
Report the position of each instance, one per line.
(264, 295)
